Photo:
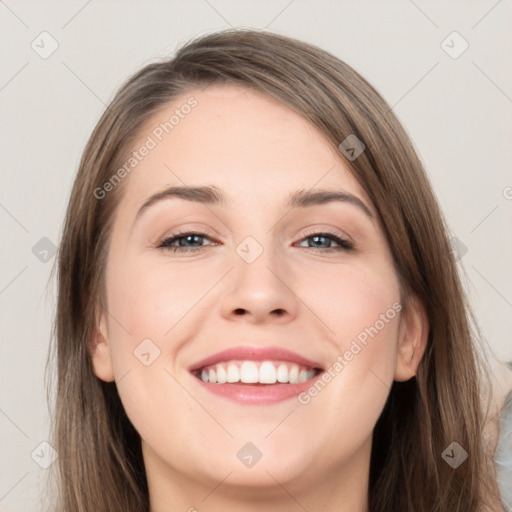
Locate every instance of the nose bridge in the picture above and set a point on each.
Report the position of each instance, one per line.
(258, 281)
(254, 261)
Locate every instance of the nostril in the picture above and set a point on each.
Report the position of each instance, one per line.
(239, 311)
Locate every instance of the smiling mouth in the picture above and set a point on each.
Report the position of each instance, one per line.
(256, 372)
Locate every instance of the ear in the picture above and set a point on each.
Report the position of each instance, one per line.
(100, 349)
(412, 339)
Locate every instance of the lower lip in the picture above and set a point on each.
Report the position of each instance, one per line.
(258, 394)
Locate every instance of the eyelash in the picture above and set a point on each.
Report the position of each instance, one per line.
(344, 244)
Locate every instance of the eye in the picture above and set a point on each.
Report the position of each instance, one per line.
(324, 241)
(183, 240)
(189, 241)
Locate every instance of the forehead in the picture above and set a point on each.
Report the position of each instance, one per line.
(238, 139)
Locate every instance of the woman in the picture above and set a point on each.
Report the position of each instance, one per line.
(258, 305)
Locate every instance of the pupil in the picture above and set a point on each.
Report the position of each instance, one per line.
(316, 238)
(188, 238)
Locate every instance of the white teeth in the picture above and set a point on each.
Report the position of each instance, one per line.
(249, 373)
(303, 376)
(221, 374)
(233, 374)
(253, 372)
(282, 373)
(267, 373)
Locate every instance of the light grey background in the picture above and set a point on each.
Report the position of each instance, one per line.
(458, 112)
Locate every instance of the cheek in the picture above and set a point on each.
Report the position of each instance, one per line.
(350, 298)
(154, 310)
(361, 308)
(153, 300)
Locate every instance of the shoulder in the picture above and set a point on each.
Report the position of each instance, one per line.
(498, 429)
(503, 451)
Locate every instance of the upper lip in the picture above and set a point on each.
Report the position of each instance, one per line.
(252, 353)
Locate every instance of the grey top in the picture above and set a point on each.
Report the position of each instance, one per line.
(503, 455)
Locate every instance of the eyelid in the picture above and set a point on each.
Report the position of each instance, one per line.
(188, 230)
(330, 229)
(182, 234)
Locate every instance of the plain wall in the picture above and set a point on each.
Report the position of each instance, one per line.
(458, 111)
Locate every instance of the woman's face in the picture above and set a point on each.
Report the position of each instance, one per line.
(255, 271)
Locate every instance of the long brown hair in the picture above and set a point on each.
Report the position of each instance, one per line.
(100, 465)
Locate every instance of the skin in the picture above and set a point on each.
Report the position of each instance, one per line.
(257, 152)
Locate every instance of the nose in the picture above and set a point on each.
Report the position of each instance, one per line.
(260, 291)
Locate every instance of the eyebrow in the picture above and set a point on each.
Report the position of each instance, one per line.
(211, 195)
